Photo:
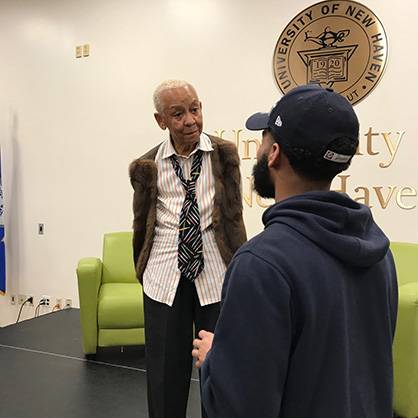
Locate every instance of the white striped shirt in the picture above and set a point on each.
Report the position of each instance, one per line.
(161, 275)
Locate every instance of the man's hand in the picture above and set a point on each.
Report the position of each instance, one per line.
(201, 346)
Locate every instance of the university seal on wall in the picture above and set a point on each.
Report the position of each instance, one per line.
(338, 44)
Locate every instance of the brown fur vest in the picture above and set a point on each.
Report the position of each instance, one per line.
(227, 218)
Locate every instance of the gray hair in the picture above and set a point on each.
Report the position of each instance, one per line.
(166, 85)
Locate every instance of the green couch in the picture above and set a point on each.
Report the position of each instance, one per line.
(405, 348)
(111, 303)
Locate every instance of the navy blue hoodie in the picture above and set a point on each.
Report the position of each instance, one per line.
(308, 317)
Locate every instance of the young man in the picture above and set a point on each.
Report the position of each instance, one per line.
(187, 225)
(309, 305)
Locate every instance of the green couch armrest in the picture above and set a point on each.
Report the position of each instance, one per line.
(405, 353)
(89, 275)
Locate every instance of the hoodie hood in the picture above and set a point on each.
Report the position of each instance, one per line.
(336, 223)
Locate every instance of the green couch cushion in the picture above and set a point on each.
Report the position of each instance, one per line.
(120, 306)
(405, 353)
(409, 292)
(405, 255)
(118, 263)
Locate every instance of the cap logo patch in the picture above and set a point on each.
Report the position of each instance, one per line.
(337, 158)
(278, 121)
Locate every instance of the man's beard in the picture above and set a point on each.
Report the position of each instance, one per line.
(263, 184)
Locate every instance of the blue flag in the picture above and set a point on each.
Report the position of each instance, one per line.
(2, 246)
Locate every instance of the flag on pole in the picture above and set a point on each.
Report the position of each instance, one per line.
(2, 246)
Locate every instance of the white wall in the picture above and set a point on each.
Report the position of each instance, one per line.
(69, 127)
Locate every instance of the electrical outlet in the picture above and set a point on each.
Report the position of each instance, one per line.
(13, 299)
(86, 50)
(41, 229)
(21, 299)
(78, 51)
(46, 299)
(30, 303)
(68, 303)
(59, 303)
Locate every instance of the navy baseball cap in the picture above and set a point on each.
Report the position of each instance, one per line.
(310, 117)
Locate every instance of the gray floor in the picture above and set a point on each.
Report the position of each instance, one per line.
(45, 374)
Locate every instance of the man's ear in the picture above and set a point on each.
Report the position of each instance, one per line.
(160, 121)
(274, 156)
